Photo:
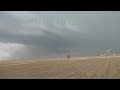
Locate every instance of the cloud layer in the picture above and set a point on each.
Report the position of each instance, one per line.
(57, 33)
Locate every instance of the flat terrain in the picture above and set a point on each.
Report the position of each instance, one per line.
(75, 68)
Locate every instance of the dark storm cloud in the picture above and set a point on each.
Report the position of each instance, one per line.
(51, 40)
(47, 33)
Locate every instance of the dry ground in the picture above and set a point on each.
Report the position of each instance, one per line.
(92, 68)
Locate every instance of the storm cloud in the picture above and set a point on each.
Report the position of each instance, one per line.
(36, 34)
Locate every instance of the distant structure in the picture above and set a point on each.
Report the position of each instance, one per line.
(107, 52)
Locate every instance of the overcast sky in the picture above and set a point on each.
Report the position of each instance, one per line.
(35, 34)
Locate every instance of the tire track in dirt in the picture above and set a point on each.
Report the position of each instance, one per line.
(78, 68)
(92, 73)
(104, 70)
(64, 70)
(116, 74)
(85, 74)
(31, 70)
(80, 72)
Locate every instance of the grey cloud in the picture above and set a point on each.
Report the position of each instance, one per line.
(89, 33)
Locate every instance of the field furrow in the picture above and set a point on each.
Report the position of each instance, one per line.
(93, 68)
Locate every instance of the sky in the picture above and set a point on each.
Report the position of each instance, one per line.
(40, 34)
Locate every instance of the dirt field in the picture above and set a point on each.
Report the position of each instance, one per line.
(92, 68)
